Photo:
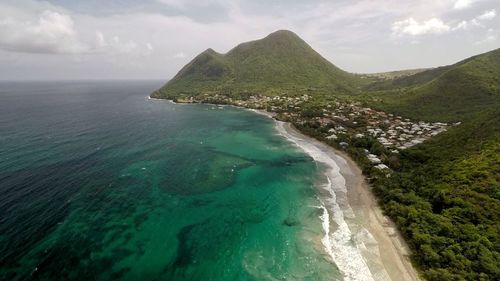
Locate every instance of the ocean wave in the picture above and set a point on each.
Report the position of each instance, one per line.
(340, 243)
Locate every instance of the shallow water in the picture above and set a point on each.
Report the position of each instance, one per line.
(100, 183)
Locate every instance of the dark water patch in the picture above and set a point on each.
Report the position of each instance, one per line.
(206, 172)
(290, 161)
(185, 252)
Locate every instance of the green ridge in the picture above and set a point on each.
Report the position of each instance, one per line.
(280, 62)
(452, 93)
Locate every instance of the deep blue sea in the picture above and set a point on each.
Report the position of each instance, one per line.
(98, 182)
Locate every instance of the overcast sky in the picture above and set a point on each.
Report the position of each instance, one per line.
(153, 39)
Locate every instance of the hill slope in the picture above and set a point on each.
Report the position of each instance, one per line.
(280, 62)
(450, 93)
(445, 196)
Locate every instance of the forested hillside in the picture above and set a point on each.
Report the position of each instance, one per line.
(445, 197)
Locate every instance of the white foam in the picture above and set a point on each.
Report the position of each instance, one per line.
(341, 245)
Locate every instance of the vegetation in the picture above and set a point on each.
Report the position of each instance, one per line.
(445, 197)
(451, 93)
(280, 62)
(443, 194)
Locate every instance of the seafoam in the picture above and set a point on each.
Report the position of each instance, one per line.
(340, 243)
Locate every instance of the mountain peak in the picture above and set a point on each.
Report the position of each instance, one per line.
(282, 33)
(280, 62)
(284, 36)
(210, 51)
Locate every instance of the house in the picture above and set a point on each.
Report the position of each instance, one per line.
(373, 159)
(332, 137)
(381, 167)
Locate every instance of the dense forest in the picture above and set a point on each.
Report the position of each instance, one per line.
(445, 197)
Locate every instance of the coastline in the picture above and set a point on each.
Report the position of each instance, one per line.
(375, 237)
(362, 242)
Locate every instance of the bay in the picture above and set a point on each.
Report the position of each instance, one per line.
(98, 182)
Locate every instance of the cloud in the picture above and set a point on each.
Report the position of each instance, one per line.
(490, 37)
(488, 15)
(51, 32)
(155, 38)
(466, 25)
(462, 25)
(174, 3)
(42, 28)
(117, 46)
(180, 55)
(100, 40)
(477, 21)
(463, 4)
(412, 27)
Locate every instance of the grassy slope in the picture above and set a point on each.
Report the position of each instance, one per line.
(450, 93)
(280, 62)
(208, 70)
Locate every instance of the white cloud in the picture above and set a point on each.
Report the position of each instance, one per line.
(488, 15)
(463, 4)
(179, 4)
(412, 27)
(462, 25)
(488, 39)
(50, 32)
(43, 28)
(117, 46)
(477, 21)
(466, 25)
(491, 36)
(100, 41)
(179, 55)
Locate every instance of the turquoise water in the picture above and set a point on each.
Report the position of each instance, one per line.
(100, 183)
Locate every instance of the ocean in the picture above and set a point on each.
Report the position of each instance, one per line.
(98, 182)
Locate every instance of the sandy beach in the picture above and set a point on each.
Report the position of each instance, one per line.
(363, 243)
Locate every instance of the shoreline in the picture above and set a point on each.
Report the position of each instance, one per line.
(375, 237)
(363, 243)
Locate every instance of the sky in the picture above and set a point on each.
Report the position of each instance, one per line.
(153, 39)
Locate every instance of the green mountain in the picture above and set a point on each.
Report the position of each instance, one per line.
(450, 93)
(280, 62)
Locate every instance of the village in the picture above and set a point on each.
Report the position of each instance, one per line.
(340, 121)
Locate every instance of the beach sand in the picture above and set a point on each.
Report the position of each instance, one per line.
(364, 243)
